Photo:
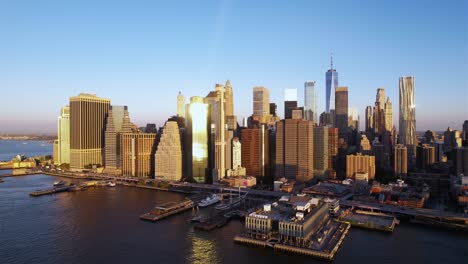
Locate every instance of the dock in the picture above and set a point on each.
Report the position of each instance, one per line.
(371, 220)
(325, 252)
(50, 191)
(165, 210)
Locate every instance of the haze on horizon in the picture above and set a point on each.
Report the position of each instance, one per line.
(141, 53)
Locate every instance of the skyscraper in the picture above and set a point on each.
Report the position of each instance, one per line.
(137, 154)
(255, 149)
(63, 143)
(118, 121)
(261, 103)
(341, 110)
(407, 125)
(87, 122)
(294, 149)
(320, 150)
(332, 150)
(168, 157)
(310, 102)
(400, 160)
(228, 95)
(198, 139)
(331, 82)
(216, 100)
(180, 105)
(369, 121)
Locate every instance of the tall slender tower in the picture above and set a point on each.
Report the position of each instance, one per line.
(228, 94)
(369, 119)
(198, 139)
(408, 115)
(310, 102)
(331, 82)
(87, 122)
(63, 147)
(180, 105)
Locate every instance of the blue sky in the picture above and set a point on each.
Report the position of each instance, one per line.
(141, 53)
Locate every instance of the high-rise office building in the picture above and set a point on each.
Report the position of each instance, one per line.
(118, 121)
(236, 153)
(430, 136)
(332, 149)
(425, 156)
(261, 103)
(290, 102)
(379, 153)
(180, 105)
(216, 100)
(87, 122)
(320, 150)
(400, 160)
(341, 110)
(137, 154)
(310, 102)
(369, 121)
(353, 118)
(407, 127)
(198, 140)
(360, 164)
(63, 143)
(255, 149)
(331, 83)
(168, 157)
(294, 149)
(229, 99)
(388, 115)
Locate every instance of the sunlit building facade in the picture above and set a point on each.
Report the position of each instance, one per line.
(118, 121)
(137, 154)
(63, 143)
(198, 140)
(87, 123)
(168, 157)
(407, 135)
(310, 102)
(180, 105)
(261, 103)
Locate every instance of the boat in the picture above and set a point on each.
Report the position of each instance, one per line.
(210, 200)
(110, 184)
(59, 183)
(229, 205)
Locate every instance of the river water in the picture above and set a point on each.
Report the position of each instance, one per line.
(101, 225)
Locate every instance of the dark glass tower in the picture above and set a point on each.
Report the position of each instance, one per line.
(331, 82)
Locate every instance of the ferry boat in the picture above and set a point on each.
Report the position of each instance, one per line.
(59, 183)
(210, 200)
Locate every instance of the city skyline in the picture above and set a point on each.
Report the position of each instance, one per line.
(152, 64)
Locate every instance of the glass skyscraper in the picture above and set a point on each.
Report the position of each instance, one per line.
(310, 102)
(331, 81)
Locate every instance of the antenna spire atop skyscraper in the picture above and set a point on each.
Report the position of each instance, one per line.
(331, 60)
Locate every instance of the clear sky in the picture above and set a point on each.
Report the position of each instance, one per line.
(141, 53)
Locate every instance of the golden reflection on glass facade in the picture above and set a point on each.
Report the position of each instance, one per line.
(198, 112)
